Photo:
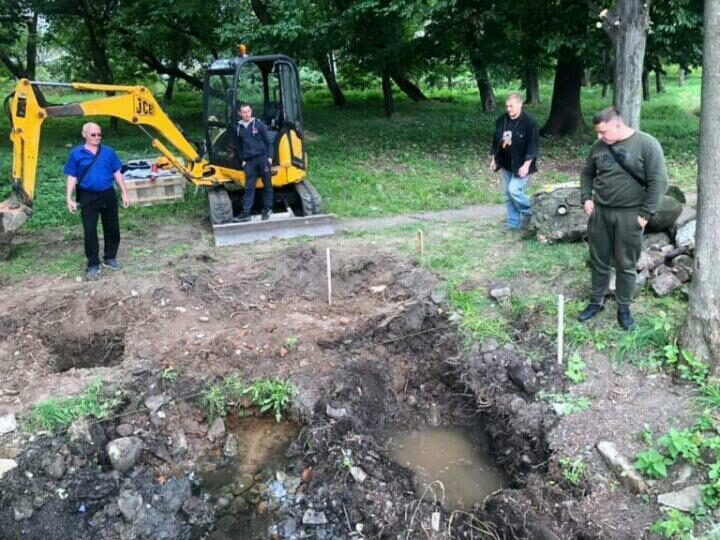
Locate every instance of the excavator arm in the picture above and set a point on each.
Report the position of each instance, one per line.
(134, 104)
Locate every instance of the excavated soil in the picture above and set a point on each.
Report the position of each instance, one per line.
(372, 362)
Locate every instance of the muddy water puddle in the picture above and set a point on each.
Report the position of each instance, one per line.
(449, 457)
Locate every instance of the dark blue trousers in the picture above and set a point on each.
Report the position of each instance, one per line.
(255, 167)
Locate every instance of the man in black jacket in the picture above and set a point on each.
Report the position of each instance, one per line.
(256, 152)
(514, 154)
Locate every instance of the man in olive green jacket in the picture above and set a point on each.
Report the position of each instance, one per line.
(622, 183)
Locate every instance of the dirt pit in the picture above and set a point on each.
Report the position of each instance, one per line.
(383, 358)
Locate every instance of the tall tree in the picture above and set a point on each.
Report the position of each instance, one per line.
(19, 37)
(568, 39)
(627, 25)
(310, 31)
(474, 30)
(701, 333)
(565, 109)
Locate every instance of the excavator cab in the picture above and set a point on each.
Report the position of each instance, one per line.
(270, 84)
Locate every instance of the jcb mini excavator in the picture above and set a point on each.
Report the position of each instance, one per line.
(269, 83)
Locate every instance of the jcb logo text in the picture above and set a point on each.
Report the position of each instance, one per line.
(144, 108)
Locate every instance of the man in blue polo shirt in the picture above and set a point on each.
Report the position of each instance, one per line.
(92, 170)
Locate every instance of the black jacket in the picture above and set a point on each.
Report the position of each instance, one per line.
(525, 141)
(254, 141)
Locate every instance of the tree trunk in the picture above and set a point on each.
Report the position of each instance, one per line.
(565, 110)
(701, 333)
(587, 78)
(659, 84)
(331, 81)
(646, 85)
(487, 95)
(31, 48)
(630, 42)
(387, 94)
(410, 88)
(604, 89)
(449, 82)
(15, 65)
(532, 84)
(681, 76)
(170, 89)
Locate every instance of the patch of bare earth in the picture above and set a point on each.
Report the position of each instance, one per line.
(372, 362)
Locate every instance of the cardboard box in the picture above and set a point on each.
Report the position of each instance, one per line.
(148, 191)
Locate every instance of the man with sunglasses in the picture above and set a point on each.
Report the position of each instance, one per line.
(92, 170)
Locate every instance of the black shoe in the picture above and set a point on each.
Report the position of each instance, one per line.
(92, 273)
(242, 218)
(112, 264)
(624, 317)
(266, 214)
(590, 311)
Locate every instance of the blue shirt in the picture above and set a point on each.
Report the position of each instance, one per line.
(100, 176)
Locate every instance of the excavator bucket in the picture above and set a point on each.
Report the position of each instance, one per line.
(283, 225)
(12, 216)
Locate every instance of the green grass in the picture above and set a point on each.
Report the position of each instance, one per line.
(535, 259)
(56, 414)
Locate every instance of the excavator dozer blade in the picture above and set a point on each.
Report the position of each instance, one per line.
(12, 217)
(278, 226)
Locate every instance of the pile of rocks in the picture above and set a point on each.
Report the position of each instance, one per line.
(666, 261)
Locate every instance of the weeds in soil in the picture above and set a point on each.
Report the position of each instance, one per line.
(214, 403)
(291, 342)
(652, 463)
(169, 374)
(271, 395)
(576, 369)
(267, 394)
(347, 460)
(676, 525)
(56, 414)
(683, 443)
(710, 395)
(565, 404)
(234, 388)
(650, 333)
(572, 470)
(579, 334)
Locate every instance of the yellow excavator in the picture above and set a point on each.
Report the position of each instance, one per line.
(269, 83)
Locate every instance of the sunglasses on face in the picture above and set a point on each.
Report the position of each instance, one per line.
(95, 134)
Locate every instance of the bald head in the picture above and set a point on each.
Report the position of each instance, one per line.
(92, 134)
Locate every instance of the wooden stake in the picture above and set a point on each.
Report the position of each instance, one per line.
(561, 328)
(420, 243)
(329, 278)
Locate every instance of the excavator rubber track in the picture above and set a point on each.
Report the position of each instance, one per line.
(284, 225)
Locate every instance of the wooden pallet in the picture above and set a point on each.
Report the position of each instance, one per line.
(146, 192)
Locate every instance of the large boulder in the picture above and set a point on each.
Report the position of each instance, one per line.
(558, 215)
(667, 213)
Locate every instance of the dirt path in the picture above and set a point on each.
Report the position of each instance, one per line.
(482, 211)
